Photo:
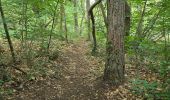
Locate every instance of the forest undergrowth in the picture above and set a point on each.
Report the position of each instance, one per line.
(68, 72)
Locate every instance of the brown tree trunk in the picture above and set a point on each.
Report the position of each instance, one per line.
(81, 27)
(65, 28)
(63, 21)
(139, 37)
(7, 33)
(115, 65)
(88, 18)
(127, 18)
(65, 24)
(76, 27)
(139, 28)
(52, 27)
(90, 12)
(61, 17)
(9, 39)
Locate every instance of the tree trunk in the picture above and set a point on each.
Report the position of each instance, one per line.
(139, 37)
(127, 18)
(88, 18)
(103, 13)
(7, 33)
(140, 24)
(115, 65)
(9, 39)
(61, 17)
(65, 28)
(81, 27)
(81, 23)
(76, 27)
(63, 21)
(65, 24)
(52, 27)
(90, 12)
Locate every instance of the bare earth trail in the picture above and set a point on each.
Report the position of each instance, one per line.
(75, 75)
(74, 78)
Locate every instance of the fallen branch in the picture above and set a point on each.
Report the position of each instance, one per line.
(16, 68)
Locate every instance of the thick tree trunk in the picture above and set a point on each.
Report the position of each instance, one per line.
(115, 65)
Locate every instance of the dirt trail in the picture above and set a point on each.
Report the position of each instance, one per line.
(74, 78)
(75, 75)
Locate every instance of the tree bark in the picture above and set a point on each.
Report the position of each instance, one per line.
(115, 64)
(127, 18)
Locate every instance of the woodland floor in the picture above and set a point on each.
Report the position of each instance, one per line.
(76, 75)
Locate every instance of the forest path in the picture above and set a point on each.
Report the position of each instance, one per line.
(80, 72)
(74, 78)
(75, 75)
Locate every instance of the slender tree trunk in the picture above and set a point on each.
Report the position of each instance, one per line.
(103, 13)
(7, 33)
(76, 26)
(90, 12)
(61, 17)
(165, 49)
(81, 23)
(9, 39)
(165, 41)
(65, 22)
(52, 27)
(82, 18)
(26, 45)
(22, 26)
(139, 37)
(25, 21)
(115, 64)
(65, 28)
(88, 18)
(140, 23)
(93, 33)
(127, 18)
